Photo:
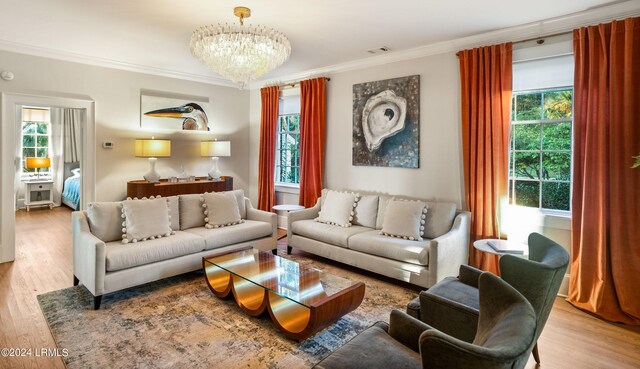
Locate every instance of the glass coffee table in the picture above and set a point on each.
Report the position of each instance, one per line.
(300, 300)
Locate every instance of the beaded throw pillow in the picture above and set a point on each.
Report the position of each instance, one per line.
(404, 219)
(221, 209)
(338, 208)
(145, 219)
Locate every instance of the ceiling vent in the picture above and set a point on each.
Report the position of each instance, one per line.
(379, 50)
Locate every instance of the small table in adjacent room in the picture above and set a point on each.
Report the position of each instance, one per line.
(39, 192)
(301, 300)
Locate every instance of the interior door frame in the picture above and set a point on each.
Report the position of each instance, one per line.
(9, 103)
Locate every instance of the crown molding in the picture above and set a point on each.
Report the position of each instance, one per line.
(543, 28)
(109, 63)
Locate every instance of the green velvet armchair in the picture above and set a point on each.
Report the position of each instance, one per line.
(452, 305)
(504, 338)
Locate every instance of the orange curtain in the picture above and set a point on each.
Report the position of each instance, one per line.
(605, 232)
(266, 165)
(313, 127)
(485, 77)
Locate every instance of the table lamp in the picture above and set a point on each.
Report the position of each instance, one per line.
(215, 149)
(152, 149)
(38, 163)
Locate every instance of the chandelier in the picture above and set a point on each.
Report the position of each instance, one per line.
(238, 53)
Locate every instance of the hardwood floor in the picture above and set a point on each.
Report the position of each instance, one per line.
(571, 338)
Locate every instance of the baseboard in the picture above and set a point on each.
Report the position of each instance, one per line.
(564, 286)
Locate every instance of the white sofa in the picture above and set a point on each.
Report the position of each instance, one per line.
(444, 248)
(107, 265)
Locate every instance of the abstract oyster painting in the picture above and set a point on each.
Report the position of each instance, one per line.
(386, 123)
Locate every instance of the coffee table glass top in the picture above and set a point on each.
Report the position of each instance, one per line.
(299, 283)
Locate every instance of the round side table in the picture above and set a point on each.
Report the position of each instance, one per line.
(483, 245)
(287, 208)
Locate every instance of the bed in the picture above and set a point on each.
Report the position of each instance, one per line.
(71, 190)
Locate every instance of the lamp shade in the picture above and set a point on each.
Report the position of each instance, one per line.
(215, 148)
(150, 148)
(37, 163)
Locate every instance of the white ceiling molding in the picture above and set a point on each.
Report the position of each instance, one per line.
(524, 32)
(107, 63)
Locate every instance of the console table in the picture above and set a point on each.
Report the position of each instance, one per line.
(164, 188)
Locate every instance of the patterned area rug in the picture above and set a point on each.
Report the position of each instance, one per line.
(179, 323)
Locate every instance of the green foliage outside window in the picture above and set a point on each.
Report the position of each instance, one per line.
(35, 143)
(288, 149)
(540, 161)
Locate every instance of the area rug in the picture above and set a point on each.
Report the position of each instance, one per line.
(178, 323)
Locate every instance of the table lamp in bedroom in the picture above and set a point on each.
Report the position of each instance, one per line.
(38, 163)
(153, 149)
(215, 149)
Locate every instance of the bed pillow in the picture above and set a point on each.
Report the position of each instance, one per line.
(191, 214)
(221, 209)
(104, 220)
(338, 208)
(404, 219)
(145, 220)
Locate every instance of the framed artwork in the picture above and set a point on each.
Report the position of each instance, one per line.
(165, 111)
(386, 123)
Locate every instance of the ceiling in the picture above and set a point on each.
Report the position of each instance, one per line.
(156, 33)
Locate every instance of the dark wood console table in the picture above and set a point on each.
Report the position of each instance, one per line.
(142, 188)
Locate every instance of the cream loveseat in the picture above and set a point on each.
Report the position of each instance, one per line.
(441, 252)
(104, 264)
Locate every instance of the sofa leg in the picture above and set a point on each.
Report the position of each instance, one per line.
(76, 281)
(289, 248)
(536, 355)
(274, 251)
(96, 302)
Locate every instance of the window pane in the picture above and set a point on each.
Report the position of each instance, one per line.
(558, 104)
(28, 141)
(43, 141)
(556, 136)
(527, 193)
(526, 136)
(42, 128)
(529, 106)
(294, 123)
(28, 153)
(42, 152)
(556, 165)
(556, 195)
(527, 165)
(28, 128)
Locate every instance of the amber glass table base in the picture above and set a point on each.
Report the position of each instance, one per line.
(297, 321)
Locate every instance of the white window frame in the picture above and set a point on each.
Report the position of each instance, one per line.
(286, 186)
(539, 209)
(43, 173)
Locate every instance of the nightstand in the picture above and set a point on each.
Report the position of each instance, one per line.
(39, 192)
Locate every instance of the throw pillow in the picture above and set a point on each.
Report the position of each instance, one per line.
(191, 211)
(338, 208)
(221, 209)
(404, 219)
(145, 219)
(174, 211)
(239, 194)
(366, 211)
(104, 220)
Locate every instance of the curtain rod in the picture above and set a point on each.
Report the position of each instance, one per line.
(287, 86)
(540, 39)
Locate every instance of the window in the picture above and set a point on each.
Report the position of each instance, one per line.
(287, 169)
(540, 149)
(35, 136)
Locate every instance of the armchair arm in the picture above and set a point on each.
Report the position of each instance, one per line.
(450, 250)
(294, 216)
(89, 255)
(263, 216)
(406, 329)
(469, 275)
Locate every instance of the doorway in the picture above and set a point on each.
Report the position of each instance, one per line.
(12, 104)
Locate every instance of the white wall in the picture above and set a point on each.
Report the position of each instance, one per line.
(117, 103)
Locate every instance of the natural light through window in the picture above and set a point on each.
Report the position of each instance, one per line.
(287, 170)
(35, 136)
(540, 149)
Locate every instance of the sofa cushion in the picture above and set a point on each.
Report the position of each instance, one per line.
(105, 220)
(221, 209)
(174, 211)
(120, 256)
(191, 211)
(373, 243)
(145, 219)
(405, 219)
(338, 208)
(328, 233)
(225, 236)
(439, 217)
(366, 211)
